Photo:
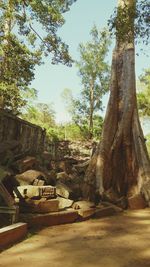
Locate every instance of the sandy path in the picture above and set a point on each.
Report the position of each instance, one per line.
(118, 241)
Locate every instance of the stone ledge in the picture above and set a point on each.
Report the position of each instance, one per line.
(12, 234)
(50, 219)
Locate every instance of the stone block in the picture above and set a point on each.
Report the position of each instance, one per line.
(30, 191)
(136, 202)
(12, 234)
(104, 212)
(43, 206)
(54, 218)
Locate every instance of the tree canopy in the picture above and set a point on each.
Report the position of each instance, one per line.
(28, 29)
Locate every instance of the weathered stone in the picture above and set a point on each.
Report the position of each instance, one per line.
(19, 137)
(86, 213)
(12, 234)
(83, 205)
(27, 163)
(64, 203)
(28, 177)
(107, 204)
(30, 191)
(54, 218)
(136, 202)
(104, 212)
(43, 205)
(63, 190)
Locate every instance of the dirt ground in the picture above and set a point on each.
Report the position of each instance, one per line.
(118, 241)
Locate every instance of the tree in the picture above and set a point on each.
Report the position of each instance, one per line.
(79, 111)
(22, 47)
(94, 73)
(120, 165)
(143, 96)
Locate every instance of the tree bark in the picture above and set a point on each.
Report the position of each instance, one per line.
(121, 163)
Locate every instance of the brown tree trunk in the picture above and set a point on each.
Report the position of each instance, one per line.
(121, 164)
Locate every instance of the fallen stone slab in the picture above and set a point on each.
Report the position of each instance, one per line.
(86, 213)
(104, 212)
(9, 235)
(50, 219)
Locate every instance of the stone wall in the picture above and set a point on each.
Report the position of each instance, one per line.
(19, 136)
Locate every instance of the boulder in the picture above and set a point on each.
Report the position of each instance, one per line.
(63, 190)
(28, 177)
(64, 203)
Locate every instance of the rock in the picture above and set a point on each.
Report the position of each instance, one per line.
(136, 202)
(107, 204)
(63, 190)
(83, 205)
(86, 213)
(30, 191)
(25, 164)
(42, 205)
(11, 234)
(64, 203)
(104, 212)
(28, 177)
(54, 218)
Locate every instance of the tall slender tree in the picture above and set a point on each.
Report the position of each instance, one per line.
(94, 72)
(121, 165)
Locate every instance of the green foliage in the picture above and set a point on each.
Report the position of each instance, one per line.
(22, 46)
(93, 67)
(148, 143)
(143, 96)
(41, 114)
(121, 22)
(95, 73)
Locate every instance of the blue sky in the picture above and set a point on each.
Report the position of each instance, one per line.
(50, 80)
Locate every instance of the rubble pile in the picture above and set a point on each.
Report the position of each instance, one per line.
(42, 185)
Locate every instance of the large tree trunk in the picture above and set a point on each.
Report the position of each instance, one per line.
(121, 164)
